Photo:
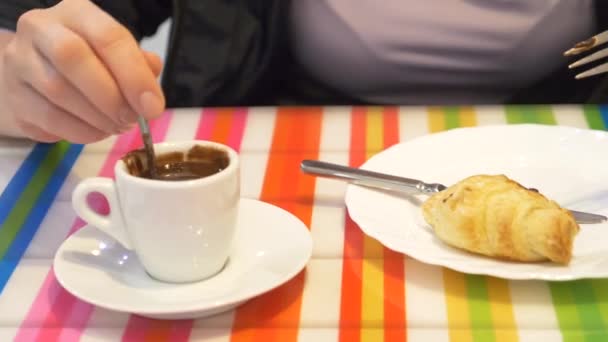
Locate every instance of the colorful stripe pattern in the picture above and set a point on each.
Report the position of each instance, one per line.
(296, 137)
(373, 291)
(27, 198)
(374, 280)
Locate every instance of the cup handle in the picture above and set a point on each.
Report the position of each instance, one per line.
(111, 224)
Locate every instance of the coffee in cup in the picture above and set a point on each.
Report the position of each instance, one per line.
(198, 162)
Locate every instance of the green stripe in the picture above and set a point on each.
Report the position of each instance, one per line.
(530, 114)
(545, 115)
(596, 336)
(451, 118)
(566, 312)
(479, 308)
(593, 117)
(588, 309)
(514, 115)
(28, 198)
(517, 114)
(600, 287)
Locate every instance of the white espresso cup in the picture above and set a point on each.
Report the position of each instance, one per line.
(181, 231)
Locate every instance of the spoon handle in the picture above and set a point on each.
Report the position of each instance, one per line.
(148, 144)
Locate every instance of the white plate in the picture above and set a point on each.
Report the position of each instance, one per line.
(271, 247)
(566, 164)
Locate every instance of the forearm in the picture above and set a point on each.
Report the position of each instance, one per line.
(8, 126)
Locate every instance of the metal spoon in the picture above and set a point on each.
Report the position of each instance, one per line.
(148, 145)
(395, 183)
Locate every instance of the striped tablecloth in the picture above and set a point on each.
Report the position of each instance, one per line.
(353, 289)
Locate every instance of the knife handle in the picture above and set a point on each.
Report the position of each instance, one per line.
(368, 178)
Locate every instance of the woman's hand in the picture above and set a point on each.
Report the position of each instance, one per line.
(73, 72)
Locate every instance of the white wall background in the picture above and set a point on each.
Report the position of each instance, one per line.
(158, 43)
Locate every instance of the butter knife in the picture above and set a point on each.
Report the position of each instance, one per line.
(395, 183)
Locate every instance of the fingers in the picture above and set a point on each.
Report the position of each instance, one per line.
(116, 48)
(37, 134)
(71, 56)
(38, 117)
(47, 81)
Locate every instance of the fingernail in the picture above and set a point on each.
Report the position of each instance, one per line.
(151, 104)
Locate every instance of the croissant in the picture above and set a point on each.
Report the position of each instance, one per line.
(495, 216)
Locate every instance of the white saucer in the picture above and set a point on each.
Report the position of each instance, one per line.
(271, 247)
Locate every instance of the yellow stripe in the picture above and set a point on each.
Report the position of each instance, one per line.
(435, 119)
(457, 306)
(373, 264)
(502, 310)
(467, 117)
(457, 301)
(453, 282)
(374, 139)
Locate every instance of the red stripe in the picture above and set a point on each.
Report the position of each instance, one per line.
(394, 263)
(136, 329)
(352, 265)
(206, 124)
(390, 126)
(181, 330)
(237, 129)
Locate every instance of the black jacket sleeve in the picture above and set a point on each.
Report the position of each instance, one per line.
(141, 17)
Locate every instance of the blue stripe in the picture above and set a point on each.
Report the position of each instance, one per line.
(21, 179)
(604, 114)
(34, 219)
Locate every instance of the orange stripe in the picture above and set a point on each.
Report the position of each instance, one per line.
(159, 330)
(246, 316)
(358, 147)
(296, 137)
(352, 262)
(391, 126)
(394, 263)
(223, 123)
